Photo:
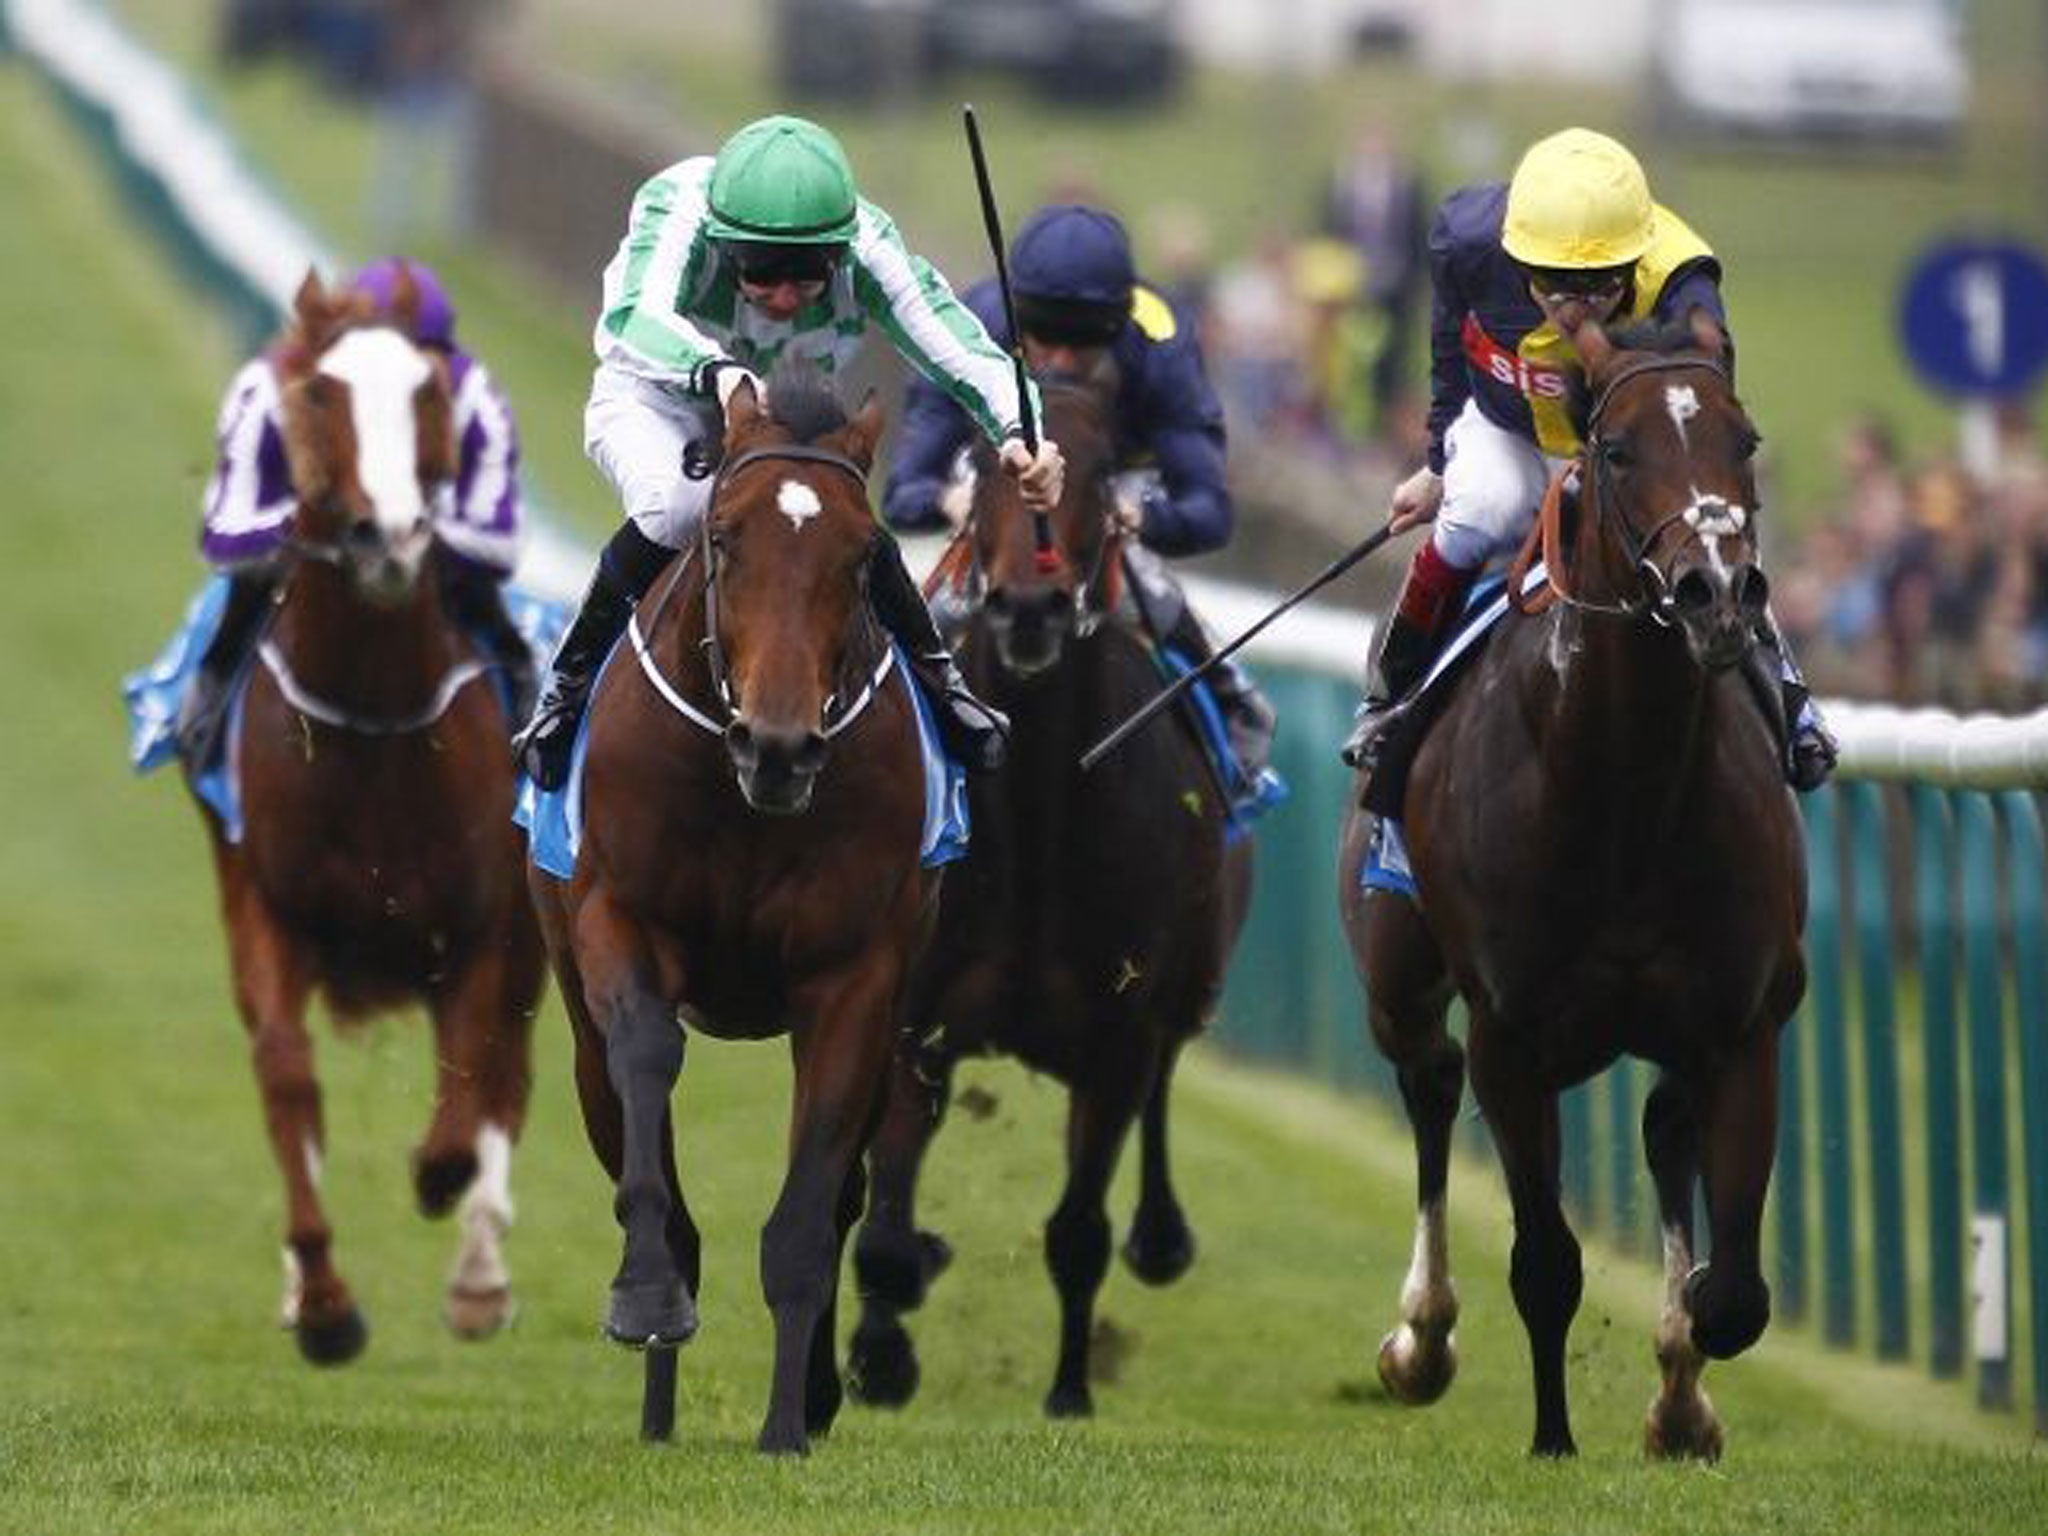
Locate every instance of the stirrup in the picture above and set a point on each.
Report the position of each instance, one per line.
(974, 733)
(1357, 751)
(1810, 758)
(544, 746)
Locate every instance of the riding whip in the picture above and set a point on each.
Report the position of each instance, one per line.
(1186, 680)
(1041, 526)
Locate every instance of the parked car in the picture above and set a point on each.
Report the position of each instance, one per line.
(1817, 69)
(1106, 51)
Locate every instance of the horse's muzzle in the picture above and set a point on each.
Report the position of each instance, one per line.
(385, 567)
(1031, 626)
(777, 765)
(1719, 610)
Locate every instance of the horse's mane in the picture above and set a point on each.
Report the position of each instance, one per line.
(1653, 335)
(1650, 334)
(801, 398)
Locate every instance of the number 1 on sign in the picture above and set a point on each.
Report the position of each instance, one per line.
(1979, 294)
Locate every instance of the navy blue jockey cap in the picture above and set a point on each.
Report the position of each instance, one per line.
(433, 316)
(1072, 271)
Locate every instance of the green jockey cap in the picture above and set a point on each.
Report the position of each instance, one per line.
(783, 180)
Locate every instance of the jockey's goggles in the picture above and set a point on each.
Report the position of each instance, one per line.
(1587, 285)
(766, 263)
(1071, 322)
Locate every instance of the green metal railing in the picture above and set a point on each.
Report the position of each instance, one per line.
(1913, 1080)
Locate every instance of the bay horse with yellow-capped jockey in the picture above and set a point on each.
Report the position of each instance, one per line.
(1606, 861)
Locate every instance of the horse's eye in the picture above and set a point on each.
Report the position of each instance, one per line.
(1615, 454)
(1747, 444)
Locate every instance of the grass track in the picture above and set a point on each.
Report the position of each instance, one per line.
(144, 1390)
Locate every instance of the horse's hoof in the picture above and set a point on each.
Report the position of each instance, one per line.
(881, 1366)
(1675, 1432)
(335, 1342)
(438, 1181)
(935, 1253)
(1414, 1372)
(656, 1315)
(784, 1441)
(821, 1407)
(479, 1314)
(1069, 1403)
(1159, 1255)
(1726, 1317)
(898, 1272)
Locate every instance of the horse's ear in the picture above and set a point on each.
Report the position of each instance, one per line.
(864, 431)
(742, 412)
(1707, 334)
(311, 297)
(405, 299)
(1595, 350)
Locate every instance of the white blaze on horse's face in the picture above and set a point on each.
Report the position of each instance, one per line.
(1713, 518)
(384, 373)
(798, 502)
(1683, 405)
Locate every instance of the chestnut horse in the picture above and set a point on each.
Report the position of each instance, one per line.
(1088, 929)
(1608, 862)
(377, 862)
(752, 811)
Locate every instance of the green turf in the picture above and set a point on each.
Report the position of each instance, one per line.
(145, 1388)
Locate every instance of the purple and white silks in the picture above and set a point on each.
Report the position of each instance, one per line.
(248, 500)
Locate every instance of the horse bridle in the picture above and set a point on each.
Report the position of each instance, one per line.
(1655, 599)
(840, 710)
(1088, 612)
(330, 552)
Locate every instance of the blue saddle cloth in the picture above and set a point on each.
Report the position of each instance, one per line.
(1246, 799)
(153, 693)
(1386, 861)
(553, 818)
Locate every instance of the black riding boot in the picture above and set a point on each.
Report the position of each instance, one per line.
(972, 731)
(474, 598)
(625, 570)
(1401, 654)
(1248, 716)
(204, 709)
(1810, 747)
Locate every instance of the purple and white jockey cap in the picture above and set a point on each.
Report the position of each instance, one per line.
(434, 323)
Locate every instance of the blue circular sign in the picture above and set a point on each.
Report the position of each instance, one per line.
(1974, 317)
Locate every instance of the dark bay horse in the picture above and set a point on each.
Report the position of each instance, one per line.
(1608, 862)
(377, 863)
(1087, 931)
(753, 806)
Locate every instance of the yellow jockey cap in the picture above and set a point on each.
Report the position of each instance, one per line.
(1578, 200)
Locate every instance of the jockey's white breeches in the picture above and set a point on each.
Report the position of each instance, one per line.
(637, 432)
(1494, 481)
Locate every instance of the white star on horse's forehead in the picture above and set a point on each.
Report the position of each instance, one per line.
(798, 502)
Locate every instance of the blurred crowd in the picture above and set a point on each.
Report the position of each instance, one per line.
(1312, 338)
(1927, 584)
(409, 60)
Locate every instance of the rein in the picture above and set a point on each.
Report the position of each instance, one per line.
(1592, 471)
(838, 714)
